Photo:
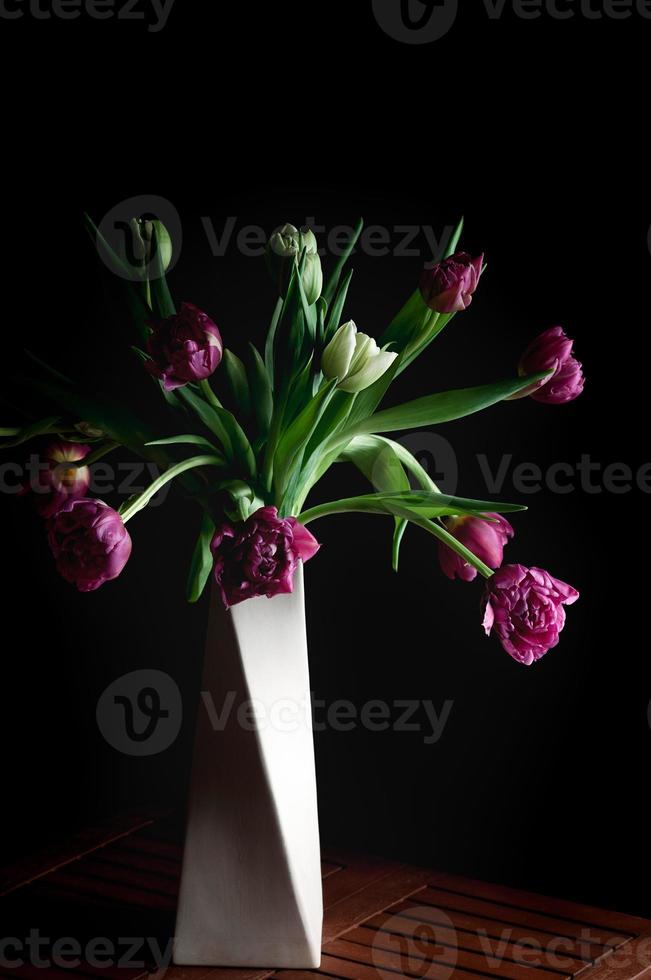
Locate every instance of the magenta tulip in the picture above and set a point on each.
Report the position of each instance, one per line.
(485, 538)
(524, 608)
(552, 351)
(259, 556)
(89, 542)
(57, 480)
(448, 286)
(183, 348)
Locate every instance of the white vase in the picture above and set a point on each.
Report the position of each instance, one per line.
(251, 882)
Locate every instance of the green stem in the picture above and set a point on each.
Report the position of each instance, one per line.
(448, 539)
(209, 394)
(141, 501)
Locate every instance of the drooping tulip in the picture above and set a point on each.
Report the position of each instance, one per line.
(485, 538)
(553, 351)
(183, 348)
(58, 479)
(89, 542)
(524, 607)
(259, 556)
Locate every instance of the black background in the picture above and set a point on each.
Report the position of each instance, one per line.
(274, 112)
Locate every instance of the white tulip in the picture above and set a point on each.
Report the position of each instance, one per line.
(355, 359)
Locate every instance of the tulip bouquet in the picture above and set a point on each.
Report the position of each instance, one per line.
(249, 436)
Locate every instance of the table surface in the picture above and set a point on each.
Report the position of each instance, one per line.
(382, 919)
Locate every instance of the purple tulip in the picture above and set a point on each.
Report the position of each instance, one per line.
(183, 348)
(448, 286)
(552, 351)
(57, 481)
(524, 606)
(259, 556)
(485, 538)
(89, 542)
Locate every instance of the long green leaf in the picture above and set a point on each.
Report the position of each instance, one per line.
(32, 431)
(237, 382)
(202, 560)
(187, 440)
(261, 392)
(333, 282)
(298, 435)
(443, 407)
(413, 504)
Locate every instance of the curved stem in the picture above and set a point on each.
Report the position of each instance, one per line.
(141, 501)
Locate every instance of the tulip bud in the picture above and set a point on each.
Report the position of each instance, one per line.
(486, 538)
(552, 351)
(355, 359)
(143, 236)
(284, 250)
(448, 286)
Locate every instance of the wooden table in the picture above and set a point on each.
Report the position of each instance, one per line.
(383, 919)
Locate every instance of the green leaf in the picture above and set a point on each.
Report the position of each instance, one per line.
(336, 311)
(376, 458)
(32, 431)
(162, 302)
(443, 407)
(412, 505)
(271, 338)
(202, 560)
(454, 241)
(208, 414)
(237, 382)
(261, 392)
(333, 281)
(298, 435)
(134, 290)
(187, 440)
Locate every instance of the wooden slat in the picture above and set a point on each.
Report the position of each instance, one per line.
(510, 964)
(511, 914)
(588, 914)
(120, 856)
(475, 924)
(29, 868)
(367, 900)
(343, 959)
(120, 874)
(476, 942)
(84, 888)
